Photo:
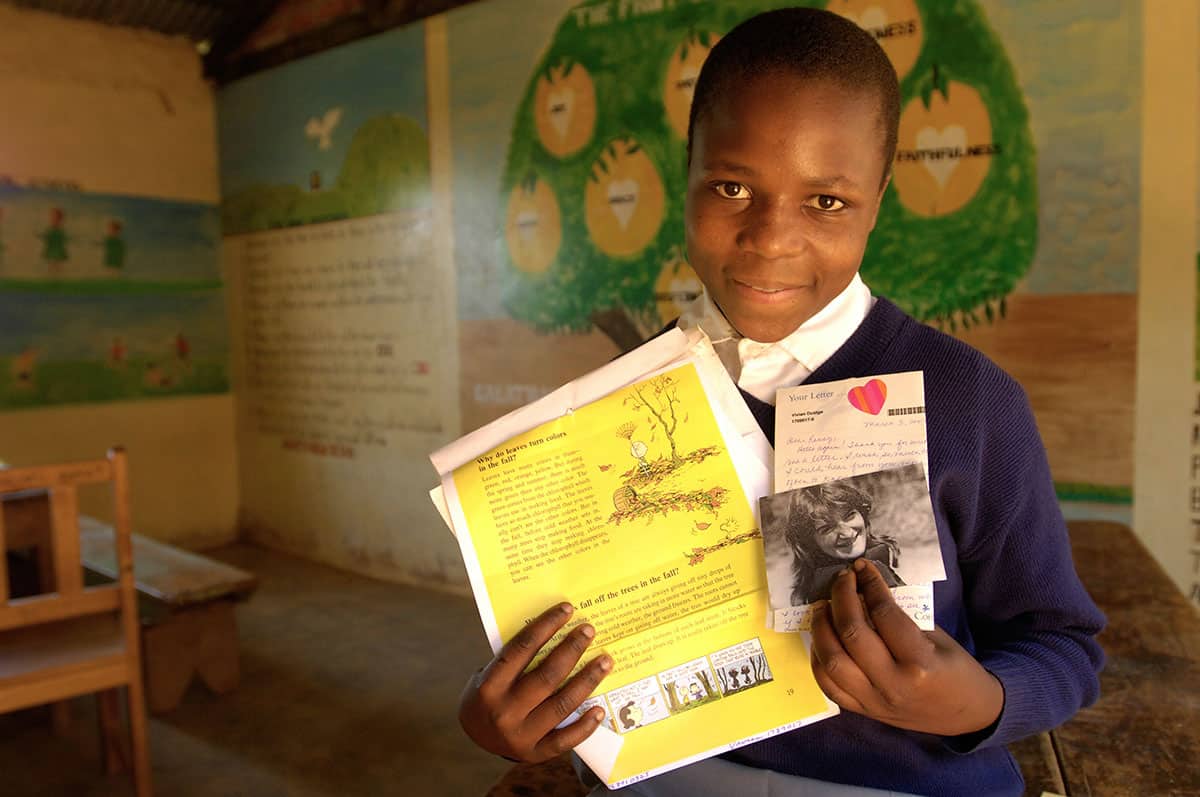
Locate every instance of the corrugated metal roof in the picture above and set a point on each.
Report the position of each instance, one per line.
(224, 25)
(199, 20)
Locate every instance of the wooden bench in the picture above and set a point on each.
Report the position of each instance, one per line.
(186, 604)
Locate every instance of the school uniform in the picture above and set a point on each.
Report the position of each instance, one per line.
(1011, 596)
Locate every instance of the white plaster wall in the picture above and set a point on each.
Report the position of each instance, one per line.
(1167, 284)
(124, 112)
(370, 514)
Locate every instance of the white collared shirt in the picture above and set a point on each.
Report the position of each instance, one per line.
(762, 368)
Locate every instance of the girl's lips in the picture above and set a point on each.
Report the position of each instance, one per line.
(763, 293)
(846, 544)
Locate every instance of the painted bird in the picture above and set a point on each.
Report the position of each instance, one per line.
(321, 127)
(702, 526)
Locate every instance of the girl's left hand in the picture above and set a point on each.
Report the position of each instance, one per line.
(869, 657)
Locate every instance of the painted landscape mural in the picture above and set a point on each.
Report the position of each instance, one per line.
(106, 298)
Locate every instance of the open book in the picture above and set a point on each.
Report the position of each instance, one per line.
(632, 493)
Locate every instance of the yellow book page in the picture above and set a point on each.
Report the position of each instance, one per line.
(631, 509)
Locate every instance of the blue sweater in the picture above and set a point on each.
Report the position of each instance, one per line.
(1011, 595)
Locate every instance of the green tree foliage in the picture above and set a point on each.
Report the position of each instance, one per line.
(954, 268)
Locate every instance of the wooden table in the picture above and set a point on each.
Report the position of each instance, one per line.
(1142, 737)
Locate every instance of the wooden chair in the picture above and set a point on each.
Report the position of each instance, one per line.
(76, 640)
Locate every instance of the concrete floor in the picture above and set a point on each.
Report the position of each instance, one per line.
(349, 687)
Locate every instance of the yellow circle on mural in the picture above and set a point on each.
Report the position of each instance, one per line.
(533, 228)
(680, 82)
(623, 201)
(944, 151)
(895, 24)
(564, 109)
(677, 287)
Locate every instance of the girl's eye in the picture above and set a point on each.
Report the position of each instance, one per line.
(827, 202)
(732, 191)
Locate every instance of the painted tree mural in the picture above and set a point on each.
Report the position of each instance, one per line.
(596, 170)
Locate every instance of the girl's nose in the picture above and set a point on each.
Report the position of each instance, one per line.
(772, 231)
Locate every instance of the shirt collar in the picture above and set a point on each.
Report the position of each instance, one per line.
(811, 344)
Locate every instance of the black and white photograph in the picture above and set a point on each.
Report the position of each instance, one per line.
(812, 533)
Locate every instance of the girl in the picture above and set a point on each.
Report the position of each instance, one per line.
(829, 526)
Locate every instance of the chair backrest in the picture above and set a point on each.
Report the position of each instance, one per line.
(70, 597)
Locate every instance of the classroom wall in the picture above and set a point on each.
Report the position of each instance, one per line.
(345, 355)
(98, 111)
(515, 252)
(1166, 510)
(1026, 249)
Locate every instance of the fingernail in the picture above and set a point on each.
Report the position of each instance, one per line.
(845, 572)
(587, 631)
(566, 608)
(605, 663)
(860, 565)
(598, 716)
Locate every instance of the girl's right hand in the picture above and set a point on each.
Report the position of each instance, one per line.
(514, 713)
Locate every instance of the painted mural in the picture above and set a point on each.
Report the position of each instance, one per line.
(328, 237)
(337, 136)
(596, 171)
(568, 139)
(107, 298)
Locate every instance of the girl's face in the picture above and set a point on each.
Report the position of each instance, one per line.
(784, 185)
(844, 539)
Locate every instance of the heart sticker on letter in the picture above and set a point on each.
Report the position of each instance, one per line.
(869, 397)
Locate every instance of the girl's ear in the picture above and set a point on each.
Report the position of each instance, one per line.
(879, 199)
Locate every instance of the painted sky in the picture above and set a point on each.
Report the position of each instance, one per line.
(1079, 63)
(164, 240)
(262, 119)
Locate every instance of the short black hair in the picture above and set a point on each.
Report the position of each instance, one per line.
(808, 43)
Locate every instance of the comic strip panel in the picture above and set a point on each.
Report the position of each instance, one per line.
(637, 704)
(741, 667)
(689, 685)
(609, 722)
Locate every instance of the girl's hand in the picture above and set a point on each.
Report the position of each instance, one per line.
(514, 713)
(869, 657)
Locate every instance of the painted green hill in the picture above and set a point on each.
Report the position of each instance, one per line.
(386, 168)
